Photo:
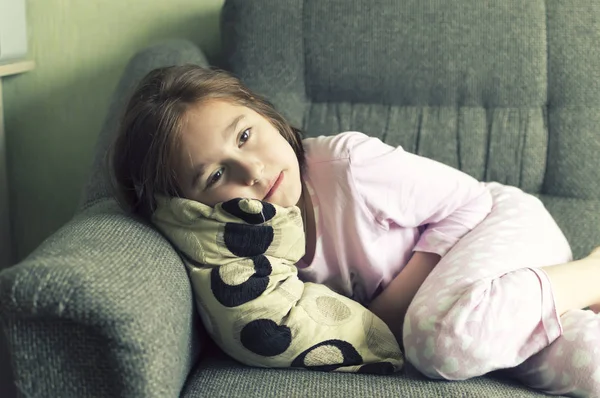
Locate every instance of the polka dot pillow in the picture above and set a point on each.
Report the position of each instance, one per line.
(241, 257)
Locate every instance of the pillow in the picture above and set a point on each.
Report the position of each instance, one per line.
(241, 257)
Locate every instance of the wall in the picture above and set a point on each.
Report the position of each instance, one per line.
(54, 113)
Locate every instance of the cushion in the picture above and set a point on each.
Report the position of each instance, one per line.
(241, 255)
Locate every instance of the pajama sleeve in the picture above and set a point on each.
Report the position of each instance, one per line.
(407, 190)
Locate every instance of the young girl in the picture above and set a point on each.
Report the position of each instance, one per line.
(378, 222)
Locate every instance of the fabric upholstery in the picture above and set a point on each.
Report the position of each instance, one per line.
(573, 33)
(219, 377)
(102, 308)
(505, 91)
(104, 305)
(579, 219)
(507, 145)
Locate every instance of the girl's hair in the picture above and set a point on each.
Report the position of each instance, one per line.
(143, 155)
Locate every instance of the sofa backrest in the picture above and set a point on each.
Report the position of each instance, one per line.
(503, 90)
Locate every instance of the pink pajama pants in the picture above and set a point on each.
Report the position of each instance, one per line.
(487, 306)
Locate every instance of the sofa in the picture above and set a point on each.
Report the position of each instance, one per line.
(506, 91)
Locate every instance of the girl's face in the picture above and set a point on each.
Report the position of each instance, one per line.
(229, 151)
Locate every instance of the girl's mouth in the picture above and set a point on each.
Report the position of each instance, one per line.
(274, 186)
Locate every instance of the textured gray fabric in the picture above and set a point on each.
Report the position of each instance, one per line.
(579, 219)
(172, 52)
(471, 58)
(218, 377)
(467, 83)
(505, 91)
(262, 43)
(507, 145)
(574, 98)
(448, 93)
(105, 305)
(103, 308)
(495, 62)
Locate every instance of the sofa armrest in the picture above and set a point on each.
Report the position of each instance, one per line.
(102, 308)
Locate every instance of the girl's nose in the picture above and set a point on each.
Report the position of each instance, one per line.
(252, 171)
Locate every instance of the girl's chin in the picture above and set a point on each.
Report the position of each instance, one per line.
(282, 203)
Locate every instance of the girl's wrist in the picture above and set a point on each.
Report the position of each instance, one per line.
(391, 305)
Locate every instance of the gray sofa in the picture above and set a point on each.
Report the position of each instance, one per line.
(504, 90)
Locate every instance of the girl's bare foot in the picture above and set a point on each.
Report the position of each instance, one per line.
(596, 255)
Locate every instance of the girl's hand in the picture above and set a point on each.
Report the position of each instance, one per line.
(392, 303)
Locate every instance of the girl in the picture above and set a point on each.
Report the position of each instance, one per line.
(378, 222)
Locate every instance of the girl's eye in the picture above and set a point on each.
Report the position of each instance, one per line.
(244, 136)
(214, 178)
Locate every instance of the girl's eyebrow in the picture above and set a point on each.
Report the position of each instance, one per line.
(200, 169)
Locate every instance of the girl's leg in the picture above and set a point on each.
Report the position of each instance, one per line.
(571, 364)
(487, 305)
(575, 284)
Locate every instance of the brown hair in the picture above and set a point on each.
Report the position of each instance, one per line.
(142, 157)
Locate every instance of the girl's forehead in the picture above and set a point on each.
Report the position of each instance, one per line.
(212, 117)
(210, 125)
(214, 109)
(216, 117)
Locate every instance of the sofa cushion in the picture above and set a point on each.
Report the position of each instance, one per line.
(506, 145)
(448, 93)
(579, 220)
(218, 376)
(505, 91)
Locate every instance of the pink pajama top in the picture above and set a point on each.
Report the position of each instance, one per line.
(375, 204)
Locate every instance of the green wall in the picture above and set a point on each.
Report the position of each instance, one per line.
(54, 113)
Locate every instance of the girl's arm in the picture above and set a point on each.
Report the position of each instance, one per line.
(392, 303)
(410, 191)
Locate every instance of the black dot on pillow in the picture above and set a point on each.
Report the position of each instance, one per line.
(232, 296)
(265, 337)
(233, 207)
(379, 368)
(268, 211)
(247, 240)
(350, 356)
(262, 266)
